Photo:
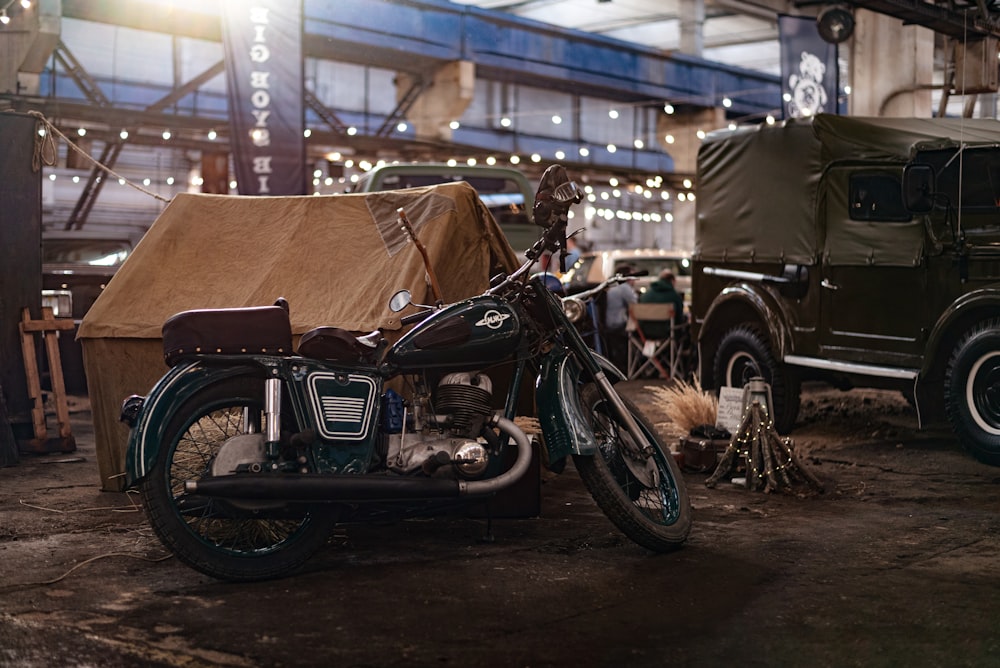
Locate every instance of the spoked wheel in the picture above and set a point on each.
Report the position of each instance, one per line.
(637, 485)
(229, 540)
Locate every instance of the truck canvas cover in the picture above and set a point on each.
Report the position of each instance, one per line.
(759, 195)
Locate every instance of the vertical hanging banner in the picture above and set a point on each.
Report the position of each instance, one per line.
(262, 40)
(809, 71)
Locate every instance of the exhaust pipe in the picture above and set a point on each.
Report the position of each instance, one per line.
(346, 488)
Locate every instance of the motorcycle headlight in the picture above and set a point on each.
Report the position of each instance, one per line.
(573, 308)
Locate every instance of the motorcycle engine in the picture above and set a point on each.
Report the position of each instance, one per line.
(467, 398)
(449, 441)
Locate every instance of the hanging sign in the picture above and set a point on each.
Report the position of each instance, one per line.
(809, 73)
(263, 49)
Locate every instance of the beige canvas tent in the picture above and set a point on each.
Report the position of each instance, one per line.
(336, 259)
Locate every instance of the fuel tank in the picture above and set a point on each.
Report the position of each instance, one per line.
(471, 334)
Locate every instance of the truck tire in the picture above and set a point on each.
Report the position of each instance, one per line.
(972, 391)
(744, 353)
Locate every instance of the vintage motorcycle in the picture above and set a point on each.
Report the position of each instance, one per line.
(246, 459)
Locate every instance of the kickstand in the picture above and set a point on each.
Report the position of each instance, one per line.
(488, 537)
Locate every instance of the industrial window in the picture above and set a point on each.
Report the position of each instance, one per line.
(877, 197)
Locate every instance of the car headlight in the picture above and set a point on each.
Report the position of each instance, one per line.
(574, 308)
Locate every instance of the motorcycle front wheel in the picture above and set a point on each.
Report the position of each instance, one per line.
(239, 541)
(638, 485)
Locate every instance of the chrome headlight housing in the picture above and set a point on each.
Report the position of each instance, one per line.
(573, 308)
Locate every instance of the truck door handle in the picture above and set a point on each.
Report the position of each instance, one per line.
(828, 285)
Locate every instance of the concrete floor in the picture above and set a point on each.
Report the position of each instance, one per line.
(896, 564)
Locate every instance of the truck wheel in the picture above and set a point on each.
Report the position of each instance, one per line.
(972, 391)
(744, 353)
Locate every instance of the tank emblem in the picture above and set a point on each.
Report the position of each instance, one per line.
(493, 319)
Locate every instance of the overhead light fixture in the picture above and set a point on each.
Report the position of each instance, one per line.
(4, 19)
(835, 24)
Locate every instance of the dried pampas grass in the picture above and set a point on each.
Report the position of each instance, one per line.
(529, 425)
(687, 405)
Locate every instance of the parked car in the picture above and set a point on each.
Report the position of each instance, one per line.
(76, 267)
(592, 268)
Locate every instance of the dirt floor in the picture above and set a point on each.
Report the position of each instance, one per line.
(895, 564)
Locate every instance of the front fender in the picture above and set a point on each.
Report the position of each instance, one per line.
(162, 403)
(952, 324)
(613, 373)
(563, 421)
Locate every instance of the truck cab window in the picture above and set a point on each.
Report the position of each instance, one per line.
(877, 198)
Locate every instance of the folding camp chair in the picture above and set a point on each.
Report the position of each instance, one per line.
(645, 352)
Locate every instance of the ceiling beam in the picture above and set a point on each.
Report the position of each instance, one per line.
(957, 24)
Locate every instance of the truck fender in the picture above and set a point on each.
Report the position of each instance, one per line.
(739, 303)
(163, 401)
(557, 396)
(960, 315)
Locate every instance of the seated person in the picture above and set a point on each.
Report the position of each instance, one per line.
(616, 302)
(662, 291)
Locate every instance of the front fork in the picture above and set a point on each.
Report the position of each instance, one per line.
(611, 395)
(593, 368)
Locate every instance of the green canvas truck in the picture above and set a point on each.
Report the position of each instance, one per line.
(864, 252)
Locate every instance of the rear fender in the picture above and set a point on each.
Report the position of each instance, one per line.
(557, 394)
(161, 404)
(742, 303)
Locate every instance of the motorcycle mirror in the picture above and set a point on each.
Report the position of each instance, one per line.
(400, 300)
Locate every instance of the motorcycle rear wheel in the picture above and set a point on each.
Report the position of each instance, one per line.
(657, 515)
(228, 541)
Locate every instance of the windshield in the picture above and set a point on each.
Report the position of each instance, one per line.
(978, 201)
(978, 169)
(652, 266)
(584, 272)
(94, 252)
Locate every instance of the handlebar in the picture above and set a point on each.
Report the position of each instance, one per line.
(415, 317)
(587, 294)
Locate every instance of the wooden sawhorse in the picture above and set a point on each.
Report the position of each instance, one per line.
(48, 327)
